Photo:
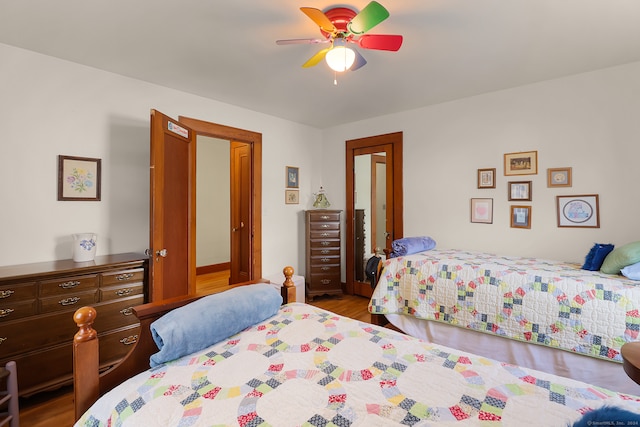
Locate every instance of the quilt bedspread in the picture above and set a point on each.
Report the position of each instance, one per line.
(545, 302)
(306, 366)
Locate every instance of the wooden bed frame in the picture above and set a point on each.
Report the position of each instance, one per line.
(89, 384)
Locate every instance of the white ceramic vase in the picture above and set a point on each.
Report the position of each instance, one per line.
(84, 246)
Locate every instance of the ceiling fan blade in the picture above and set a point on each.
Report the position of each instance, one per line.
(302, 41)
(315, 59)
(359, 62)
(372, 14)
(319, 18)
(390, 42)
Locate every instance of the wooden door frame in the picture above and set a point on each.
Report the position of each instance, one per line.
(395, 139)
(201, 127)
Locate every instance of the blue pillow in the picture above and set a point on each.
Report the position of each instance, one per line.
(632, 271)
(596, 256)
(211, 319)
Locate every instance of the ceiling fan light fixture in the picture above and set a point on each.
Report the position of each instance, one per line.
(340, 58)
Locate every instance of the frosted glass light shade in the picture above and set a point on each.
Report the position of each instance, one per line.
(340, 58)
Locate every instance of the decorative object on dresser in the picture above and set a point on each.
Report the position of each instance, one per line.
(323, 252)
(37, 301)
(84, 246)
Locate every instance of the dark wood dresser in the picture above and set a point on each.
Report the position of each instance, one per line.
(37, 302)
(323, 253)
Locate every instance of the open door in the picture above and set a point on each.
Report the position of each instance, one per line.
(172, 266)
(241, 221)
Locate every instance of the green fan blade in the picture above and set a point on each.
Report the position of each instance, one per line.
(373, 14)
(316, 58)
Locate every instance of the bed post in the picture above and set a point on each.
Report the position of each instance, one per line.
(86, 375)
(288, 290)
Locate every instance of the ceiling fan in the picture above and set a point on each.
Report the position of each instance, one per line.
(341, 27)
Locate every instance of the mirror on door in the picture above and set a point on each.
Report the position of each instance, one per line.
(370, 189)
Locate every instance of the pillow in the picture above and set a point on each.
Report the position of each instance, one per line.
(211, 319)
(632, 271)
(621, 257)
(596, 256)
(411, 245)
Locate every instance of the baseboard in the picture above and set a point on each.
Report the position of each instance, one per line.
(213, 268)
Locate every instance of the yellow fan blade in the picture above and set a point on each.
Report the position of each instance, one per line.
(316, 58)
(319, 18)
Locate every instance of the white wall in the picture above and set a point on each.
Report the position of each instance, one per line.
(588, 122)
(50, 107)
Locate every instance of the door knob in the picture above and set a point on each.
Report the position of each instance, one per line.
(162, 253)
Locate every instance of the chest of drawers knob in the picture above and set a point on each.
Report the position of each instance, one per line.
(5, 312)
(69, 301)
(6, 293)
(69, 285)
(131, 339)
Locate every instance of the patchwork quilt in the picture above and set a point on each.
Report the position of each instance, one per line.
(539, 301)
(309, 367)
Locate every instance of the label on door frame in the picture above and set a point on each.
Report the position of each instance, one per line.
(178, 129)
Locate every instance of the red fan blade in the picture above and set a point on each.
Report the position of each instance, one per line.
(319, 18)
(302, 41)
(380, 42)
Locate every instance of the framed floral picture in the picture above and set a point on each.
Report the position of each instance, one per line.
(79, 178)
(291, 197)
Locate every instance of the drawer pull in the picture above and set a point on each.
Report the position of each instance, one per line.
(69, 285)
(324, 235)
(6, 312)
(325, 268)
(325, 251)
(124, 276)
(325, 243)
(325, 226)
(2, 339)
(131, 339)
(324, 217)
(6, 293)
(127, 311)
(325, 281)
(325, 259)
(69, 301)
(123, 292)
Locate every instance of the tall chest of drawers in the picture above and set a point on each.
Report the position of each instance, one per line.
(37, 302)
(323, 253)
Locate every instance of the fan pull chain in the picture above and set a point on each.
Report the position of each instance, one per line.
(335, 78)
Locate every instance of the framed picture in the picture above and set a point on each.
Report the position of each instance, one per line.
(521, 216)
(524, 163)
(482, 211)
(578, 211)
(291, 197)
(293, 180)
(559, 177)
(520, 190)
(487, 178)
(78, 178)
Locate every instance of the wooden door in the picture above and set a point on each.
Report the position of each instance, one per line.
(241, 224)
(172, 266)
(391, 146)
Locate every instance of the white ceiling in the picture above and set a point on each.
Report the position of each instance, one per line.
(226, 50)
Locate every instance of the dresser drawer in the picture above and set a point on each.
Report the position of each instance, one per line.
(324, 234)
(328, 282)
(117, 314)
(119, 277)
(324, 226)
(68, 302)
(324, 260)
(68, 285)
(324, 251)
(115, 345)
(17, 309)
(325, 270)
(320, 244)
(319, 216)
(124, 290)
(33, 333)
(20, 291)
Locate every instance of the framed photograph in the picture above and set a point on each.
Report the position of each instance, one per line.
(559, 177)
(521, 216)
(520, 190)
(487, 178)
(78, 178)
(482, 211)
(578, 211)
(291, 197)
(293, 180)
(524, 163)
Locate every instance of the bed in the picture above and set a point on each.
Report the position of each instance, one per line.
(543, 314)
(308, 366)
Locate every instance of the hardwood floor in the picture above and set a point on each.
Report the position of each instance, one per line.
(56, 408)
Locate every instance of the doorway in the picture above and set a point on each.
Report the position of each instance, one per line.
(246, 198)
(374, 209)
